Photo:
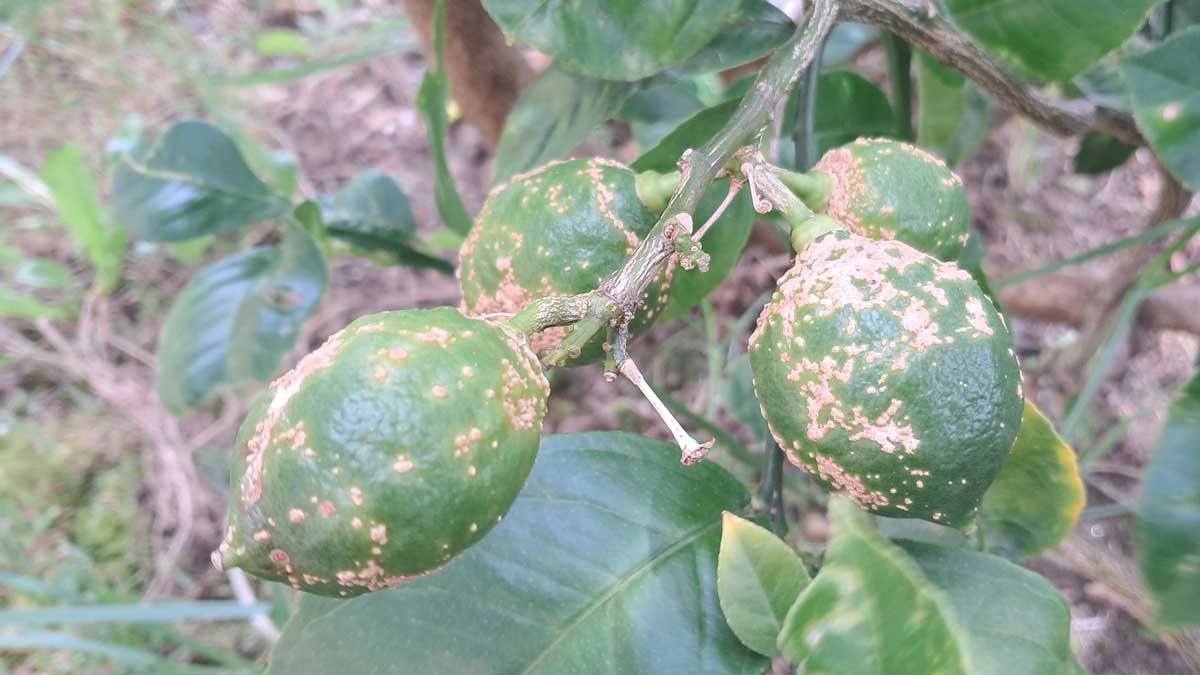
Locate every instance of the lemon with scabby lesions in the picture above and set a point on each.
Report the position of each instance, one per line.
(886, 189)
(385, 453)
(889, 376)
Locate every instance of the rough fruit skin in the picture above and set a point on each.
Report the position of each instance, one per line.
(558, 229)
(889, 376)
(385, 453)
(885, 189)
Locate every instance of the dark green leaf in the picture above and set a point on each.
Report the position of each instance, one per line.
(941, 104)
(372, 202)
(693, 132)
(372, 216)
(758, 579)
(1168, 528)
(613, 39)
(750, 32)
(192, 182)
(654, 112)
(870, 610)
(552, 117)
(237, 318)
(431, 104)
(1051, 39)
(1038, 496)
(1100, 153)
(850, 106)
(740, 398)
(1164, 84)
(1009, 619)
(724, 243)
(607, 563)
(78, 207)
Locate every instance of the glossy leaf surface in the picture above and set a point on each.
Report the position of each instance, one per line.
(553, 115)
(850, 106)
(607, 563)
(237, 318)
(1051, 39)
(1164, 85)
(758, 579)
(193, 181)
(613, 39)
(752, 31)
(431, 104)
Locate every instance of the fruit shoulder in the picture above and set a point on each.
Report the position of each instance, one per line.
(889, 376)
(385, 453)
(559, 229)
(885, 189)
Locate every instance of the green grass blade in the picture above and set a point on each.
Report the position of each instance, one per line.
(214, 610)
(1098, 252)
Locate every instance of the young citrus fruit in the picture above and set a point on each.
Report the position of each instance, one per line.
(884, 189)
(559, 229)
(384, 453)
(888, 375)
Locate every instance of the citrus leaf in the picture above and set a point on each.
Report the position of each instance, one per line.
(371, 215)
(1038, 496)
(1010, 620)
(78, 207)
(237, 318)
(942, 102)
(750, 32)
(1051, 39)
(606, 564)
(693, 132)
(653, 112)
(1164, 85)
(870, 609)
(612, 39)
(371, 202)
(758, 579)
(553, 115)
(1100, 153)
(1168, 525)
(192, 182)
(850, 106)
(431, 104)
(740, 398)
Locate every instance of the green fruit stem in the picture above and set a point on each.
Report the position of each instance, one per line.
(622, 292)
(813, 187)
(770, 187)
(656, 189)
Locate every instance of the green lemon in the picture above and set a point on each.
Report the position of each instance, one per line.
(885, 189)
(889, 376)
(384, 453)
(557, 230)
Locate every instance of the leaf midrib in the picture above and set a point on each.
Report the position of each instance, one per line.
(617, 588)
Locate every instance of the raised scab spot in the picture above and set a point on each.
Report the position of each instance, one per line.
(439, 391)
(327, 509)
(356, 496)
(402, 464)
(296, 515)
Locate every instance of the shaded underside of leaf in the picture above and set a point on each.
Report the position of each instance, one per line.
(1168, 526)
